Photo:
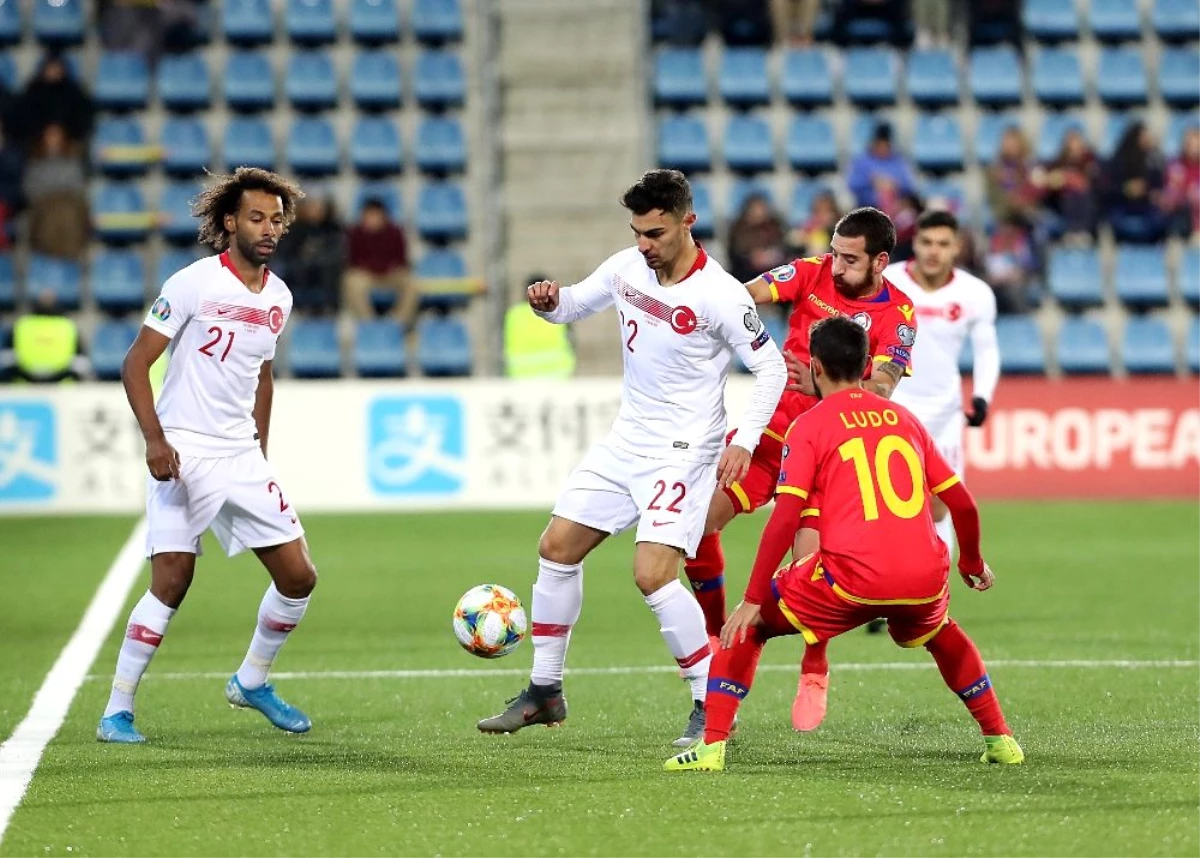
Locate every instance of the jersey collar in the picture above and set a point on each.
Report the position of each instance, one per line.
(228, 263)
(701, 261)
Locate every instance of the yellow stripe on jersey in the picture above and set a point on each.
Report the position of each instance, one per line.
(770, 433)
(941, 487)
(792, 490)
(741, 495)
(809, 637)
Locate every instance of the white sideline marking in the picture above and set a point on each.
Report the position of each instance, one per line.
(665, 668)
(21, 752)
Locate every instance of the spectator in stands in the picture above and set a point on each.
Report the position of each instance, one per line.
(811, 238)
(1011, 264)
(46, 345)
(1135, 184)
(55, 190)
(312, 255)
(795, 21)
(1070, 188)
(744, 22)
(52, 97)
(757, 240)
(904, 215)
(132, 25)
(879, 176)
(1182, 197)
(10, 188)
(534, 348)
(1012, 188)
(377, 258)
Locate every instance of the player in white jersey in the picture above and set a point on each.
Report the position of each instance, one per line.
(680, 318)
(951, 305)
(206, 441)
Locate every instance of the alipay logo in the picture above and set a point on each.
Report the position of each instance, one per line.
(417, 445)
(28, 451)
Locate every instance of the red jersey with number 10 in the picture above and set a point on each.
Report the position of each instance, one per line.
(875, 467)
(808, 285)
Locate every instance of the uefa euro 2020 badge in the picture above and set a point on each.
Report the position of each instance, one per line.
(161, 309)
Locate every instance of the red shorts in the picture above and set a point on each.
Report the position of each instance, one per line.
(811, 601)
(757, 488)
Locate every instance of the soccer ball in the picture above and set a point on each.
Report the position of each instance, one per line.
(489, 621)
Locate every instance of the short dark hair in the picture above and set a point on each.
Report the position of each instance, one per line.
(840, 344)
(872, 225)
(224, 196)
(935, 218)
(659, 189)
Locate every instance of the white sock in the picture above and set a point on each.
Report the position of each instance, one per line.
(682, 625)
(147, 625)
(277, 616)
(945, 531)
(557, 601)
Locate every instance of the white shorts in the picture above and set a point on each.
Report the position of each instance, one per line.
(611, 489)
(947, 432)
(237, 496)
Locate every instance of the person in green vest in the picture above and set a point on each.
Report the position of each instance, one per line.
(534, 348)
(46, 345)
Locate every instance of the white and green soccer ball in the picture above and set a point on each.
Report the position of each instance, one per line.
(489, 621)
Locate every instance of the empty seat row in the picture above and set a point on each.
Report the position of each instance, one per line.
(120, 146)
(995, 77)
(1110, 20)
(64, 22)
(249, 82)
(443, 348)
(1140, 277)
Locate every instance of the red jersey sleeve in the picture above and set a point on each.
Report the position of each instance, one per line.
(896, 332)
(796, 279)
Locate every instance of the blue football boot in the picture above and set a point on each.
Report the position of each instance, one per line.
(118, 728)
(265, 700)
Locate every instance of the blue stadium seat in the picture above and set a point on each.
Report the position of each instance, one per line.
(437, 21)
(441, 145)
(1191, 346)
(1148, 347)
(8, 283)
(310, 22)
(683, 143)
(118, 281)
(1176, 127)
(374, 22)
(803, 194)
(441, 264)
(311, 81)
(742, 79)
(1083, 347)
(438, 80)
(122, 81)
(1115, 20)
(870, 77)
(807, 80)
(679, 77)
(705, 225)
(1187, 276)
(1054, 128)
(742, 190)
(58, 22)
(862, 130)
(748, 144)
(249, 81)
(10, 22)
(379, 349)
(1075, 277)
(313, 349)
(247, 22)
(375, 80)
(248, 143)
(1050, 20)
(932, 78)
(110, 343)
(988, 132)
(442, 212)
(375, 146)
(60, 276)
(443, 347)
(1178, 73)
(937, 143)
(175, 211)
(120, 213)
(185, 149)
(1057, 77)
(946, 193)
(1121, 77)
(312, 147)
(1176, 20)
(119, 147)
(384, 191)
(1140, 274)
(1021, 348)
(995, 76)
(183, 82)
(811, 144)
(171, 260)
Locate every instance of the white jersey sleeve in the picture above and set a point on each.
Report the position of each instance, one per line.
(587, 297)
(986, 349)
(175, 305)
(737, 323)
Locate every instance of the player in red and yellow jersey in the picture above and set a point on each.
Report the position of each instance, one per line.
(848, 282)
(875, 467)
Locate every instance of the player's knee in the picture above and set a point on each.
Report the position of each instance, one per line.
(652, 579)
(171, 576)
(557, 548)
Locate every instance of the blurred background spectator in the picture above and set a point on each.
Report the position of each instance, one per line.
(1182, 198)
(811, 237)
(377, 260)
(312, 255)
(55, 189)
(46, 346)
(1136, 178)
(757, 240)
(880, 176)
(1070, 189)
(52, 97)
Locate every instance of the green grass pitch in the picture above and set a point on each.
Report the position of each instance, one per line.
(394, 764)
